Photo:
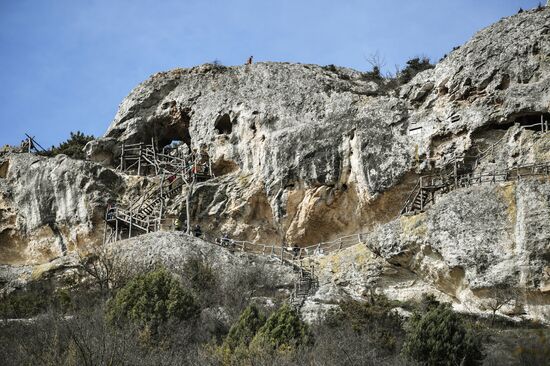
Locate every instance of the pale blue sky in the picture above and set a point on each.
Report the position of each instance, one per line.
(66, 64)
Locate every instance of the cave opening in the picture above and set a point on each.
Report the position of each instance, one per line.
(224, 125)
(536, 121)
(171, 132)
(224, 166)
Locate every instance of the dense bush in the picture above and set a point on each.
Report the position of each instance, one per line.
(413, 67)
(438, 337)
(533, 349)
(73, 147)
(375, 317)
(22, 305)
(199, 275)
(283, 330)
(152, 299)
(244, 330)
(234, 349)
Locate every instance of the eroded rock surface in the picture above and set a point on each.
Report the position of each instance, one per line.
(324, 151)
(304, 153)
(49, 206)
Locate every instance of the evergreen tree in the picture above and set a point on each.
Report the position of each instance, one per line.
(151, 299)
(282, 331)
(73, 147)
(439, 338)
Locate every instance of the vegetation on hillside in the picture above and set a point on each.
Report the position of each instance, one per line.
(165, 317)
(72, 147)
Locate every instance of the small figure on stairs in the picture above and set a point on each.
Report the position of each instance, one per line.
(295, 252)
(197, 231)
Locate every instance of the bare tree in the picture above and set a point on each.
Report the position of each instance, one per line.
(104, 268)
(502, 296)
(376, 61)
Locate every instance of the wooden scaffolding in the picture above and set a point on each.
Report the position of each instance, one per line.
(147, 212)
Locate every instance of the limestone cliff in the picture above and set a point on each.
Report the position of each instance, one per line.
(49, 206)
(315, 152)
(304, 153)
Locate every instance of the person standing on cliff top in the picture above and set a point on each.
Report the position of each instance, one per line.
(249, 61)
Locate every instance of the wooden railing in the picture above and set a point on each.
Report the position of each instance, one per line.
(293, 253)
(433, 183)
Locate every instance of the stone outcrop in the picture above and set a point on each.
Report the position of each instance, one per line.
(173, 249)
(324, 151)
(49, 206)
(304, 153)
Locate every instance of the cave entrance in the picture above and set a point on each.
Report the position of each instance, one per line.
(171, 131)
(172, 136)
(535, 121)
(175, 147)
(224, 125)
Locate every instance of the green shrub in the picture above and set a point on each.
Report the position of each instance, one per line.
(234, 349)
(414, 66)
(244, 330)
(199, 274)
(373, 75)
(283, 330)
(73, 147)
(22, 305)
(439, 338)
(152, 299)
(375, 317)
(428, 302)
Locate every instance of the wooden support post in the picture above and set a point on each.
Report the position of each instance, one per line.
(282, 251)
(116, 227)
(130, 227)
(456, 174)
(105, 233)
(122, 158)
(139, 158)
(340, 244)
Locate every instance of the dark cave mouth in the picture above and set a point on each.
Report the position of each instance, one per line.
(224, 125)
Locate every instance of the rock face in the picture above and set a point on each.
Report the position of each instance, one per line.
(49, 206)
(316, 152)
(172, 249)
(304, 153)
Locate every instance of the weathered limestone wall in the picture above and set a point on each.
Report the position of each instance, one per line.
(49, 206)
(324, 151)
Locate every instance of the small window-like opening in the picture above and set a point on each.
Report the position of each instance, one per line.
(223, 125)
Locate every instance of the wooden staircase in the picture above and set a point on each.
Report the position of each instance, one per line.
(147, 212)
(306, 284)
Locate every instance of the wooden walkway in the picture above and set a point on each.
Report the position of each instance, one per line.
(428, 187)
